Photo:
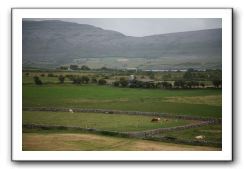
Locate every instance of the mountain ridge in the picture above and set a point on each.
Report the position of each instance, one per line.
(58, 42)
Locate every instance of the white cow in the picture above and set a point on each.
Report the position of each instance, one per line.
(71, 111)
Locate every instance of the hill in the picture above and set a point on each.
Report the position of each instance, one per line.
(53, 43)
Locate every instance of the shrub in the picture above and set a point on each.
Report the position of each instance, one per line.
(76, 80)
(61, 78)
(179, 84)
(84, 67)
(217, 83)
(37, 80)
(50, 75)
(94, 80)
(123, 82)
(102, 81)
(84, 79)
(116, 83)
(74, 67)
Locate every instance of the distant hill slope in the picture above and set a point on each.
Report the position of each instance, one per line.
(53, 43)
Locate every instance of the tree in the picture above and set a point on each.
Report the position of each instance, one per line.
(116, 83)
(84, 79)
(74, 67)
(188, 75)
(61, 78)
(179, 84)
(104, 68)
(189, 84)
(50, 75)
(94, 80)
(76, 79)
(123, 82)
(63, 67)
(166, 85)
(217, 83)
(102, 81)
(84, 67)
(202, 84)
(37, 80)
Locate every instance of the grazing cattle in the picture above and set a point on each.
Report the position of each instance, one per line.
(200, 137)
(71, 111)
(155, 119)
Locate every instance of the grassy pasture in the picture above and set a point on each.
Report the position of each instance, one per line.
(111, 122)
(214, 100)
(107, 97)
(212, 133)
(40, 141)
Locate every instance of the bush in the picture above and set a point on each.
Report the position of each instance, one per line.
(217, 83)
(165, 85)
(70, 77)
(102, 81)
(76, 80)
(116, 83)
(179, 84)
(123, 82)
(37, 80)
(61, 78)
(84, 79)
(94, 80)
(202, 84)
(50, 75)
(84, 67)
(74, 67)
(63, 67)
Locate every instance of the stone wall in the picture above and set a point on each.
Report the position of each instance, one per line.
(137, 134)
(107, 111)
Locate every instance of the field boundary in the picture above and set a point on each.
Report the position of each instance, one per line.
(146, 134)
(108, 111)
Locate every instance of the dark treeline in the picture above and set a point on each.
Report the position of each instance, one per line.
(124, 82)
(179, 84)
(147, 79)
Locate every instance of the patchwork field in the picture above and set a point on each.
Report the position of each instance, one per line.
(201, 102)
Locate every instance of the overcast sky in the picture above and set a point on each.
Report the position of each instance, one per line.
(149, 26)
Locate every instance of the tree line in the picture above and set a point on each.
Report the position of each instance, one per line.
(123, 82)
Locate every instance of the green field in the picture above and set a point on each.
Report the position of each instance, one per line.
(212, 133)
(108, 97)
(199, 102)
(110, 122)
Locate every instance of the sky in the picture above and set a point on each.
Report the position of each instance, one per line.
(147, 26)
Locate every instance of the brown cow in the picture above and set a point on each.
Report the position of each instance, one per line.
(155, 119)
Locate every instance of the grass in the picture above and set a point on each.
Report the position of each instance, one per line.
(106, 97)
(212, 133)
(110, 122)
(214, 100)
(89, 142)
